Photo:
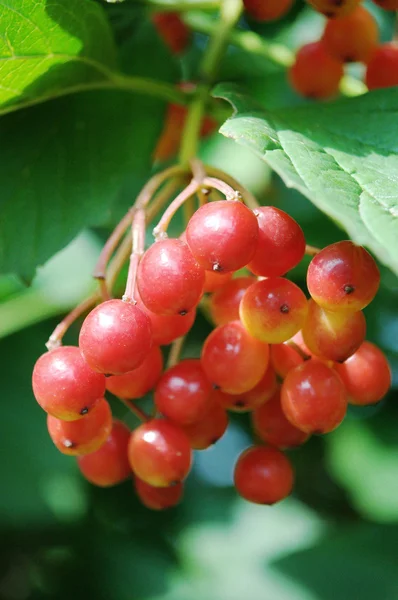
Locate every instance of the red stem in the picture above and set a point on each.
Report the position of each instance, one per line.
(160, 230)
(138, 247)
(55, 338)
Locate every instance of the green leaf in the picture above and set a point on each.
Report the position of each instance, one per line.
(343, 156)
(51, 48)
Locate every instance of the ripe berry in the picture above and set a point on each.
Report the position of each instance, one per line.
(167, 328)
(263, 475)
(183, 392)
(115, 337)
(170, 281)
(64, 385)
(233, 360)
(382, 69)
(224, 303)
(316, 74)
(85, 435)
(313, 398)
(352, 38)
(172, 30)
(272, 427)
(343, 276)
(141, 380)
(159, 453)
(387, 4)
(109, 464)
(223, 235)
(284, 358)
(210, 428)
(157, 498)
(215, 280)
(281, 243)
(273, 310)
(269, 10)
(252, 399)
(334, 8)
(366, 375)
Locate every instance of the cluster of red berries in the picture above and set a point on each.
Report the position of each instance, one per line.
(293, 363)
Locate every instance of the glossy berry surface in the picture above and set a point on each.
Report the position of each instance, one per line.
(366, 375)
(284, 358)
(85, 435)
(334, 8)
(157, 498)
(233, 360)
(109, 464)
(167, 328)
(273, 310)
(313, 398)
(252, 399)
(183, 392)
(160, 453)
(352, 38)
(137, 383)
(334, 335)
(224, 303)
(315, 73)
(115, 337)
(207, 431)
(263, 475)
(269, 10)
(281, 243)
(272, 427)
(172, 30)
(214, 280)
(343, 276)
(170, 280)
(64, 385)
(223, 235)
(382, 68)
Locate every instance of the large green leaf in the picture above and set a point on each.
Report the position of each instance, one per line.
(50, 48)
(343, 156)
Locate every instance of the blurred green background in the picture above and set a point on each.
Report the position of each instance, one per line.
(336, 538)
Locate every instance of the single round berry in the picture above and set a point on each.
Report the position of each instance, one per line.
(173, 31)
(387, 4)
(215, 280)
(270, 10)
(224, 303)
(157, 498)
(284, 358)
(109, 464)
(334, 8)
(85, 435)
(281, 243)
(382, 68)
(273, 310)
(167, 328)
(263, 475)
(206, 432)
(334, 335)
(64, 385)
(352, 38)
(272, 427)
(366, 375)
(170, 281)
(183, 392)
(233, 360)
(141, 380)
(160, 453)
(313, 398)
(252, 399)
(115, 337)
(223, 235)
(343, 276)
(316, 74)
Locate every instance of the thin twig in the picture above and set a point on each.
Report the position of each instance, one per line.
(160, 231)
(138, 246)
(175, 351)
(248, 197)
(136, 410)
(312, 250)
(222, 186)
(55, 338)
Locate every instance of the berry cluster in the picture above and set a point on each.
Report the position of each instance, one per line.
(292, 363)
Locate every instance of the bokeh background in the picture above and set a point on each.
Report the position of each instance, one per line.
(336, 538)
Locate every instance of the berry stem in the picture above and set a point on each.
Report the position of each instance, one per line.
(248, 197)
(55, 339)
(136, 410)
(175, 351)
(224, 188)
(160, 231)
(138, 247)
(311, 250)
(299, 351)
(151, 187)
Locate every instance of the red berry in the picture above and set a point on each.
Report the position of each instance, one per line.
(172, 30)
(109, 464)
(366, 375)
(281, 243)
(273, 310)
(141, 380)
(210, 428)
(115, 337)
(252, 399)
(334, 8)
(167, 328)
(183, 392)
(64, 385)
(170, 281)
(343, 276)
(85, 435)
(263, 475)
(382, 69)
(284, 358)
(157, 498)
(224, 303)
(223, 235)
(160, 453)
(268, 10)
(352, 38)
(233, 360)
(313, 398)
(315, 73)
(387, 4)
(271, 425)
(215, 280)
